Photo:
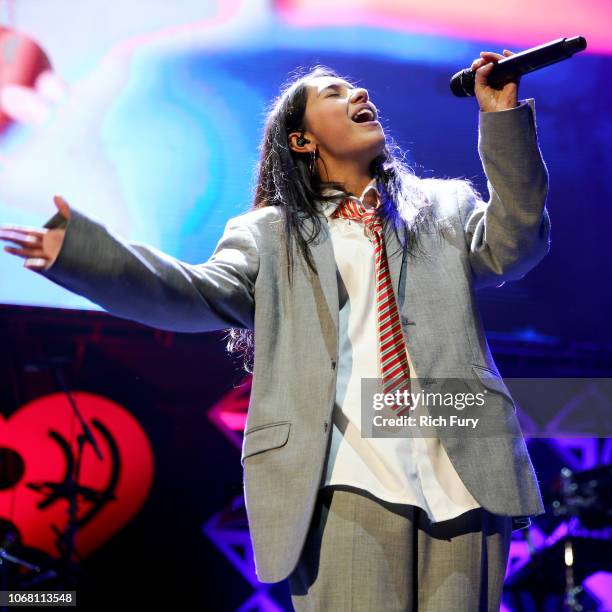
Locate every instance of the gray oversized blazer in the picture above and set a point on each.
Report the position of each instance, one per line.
(244, 284)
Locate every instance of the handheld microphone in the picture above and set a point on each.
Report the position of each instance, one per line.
(462, 83)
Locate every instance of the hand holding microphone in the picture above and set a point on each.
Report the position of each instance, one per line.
(489, 98)
(510, 68)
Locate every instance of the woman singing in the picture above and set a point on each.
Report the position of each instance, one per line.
(346, 267)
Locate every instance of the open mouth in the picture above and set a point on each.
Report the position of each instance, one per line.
(364, 116)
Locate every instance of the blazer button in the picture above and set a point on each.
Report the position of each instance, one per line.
(333, 364)
(325, 426)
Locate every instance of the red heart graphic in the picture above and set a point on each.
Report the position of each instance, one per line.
(22, 60)
(41, 440)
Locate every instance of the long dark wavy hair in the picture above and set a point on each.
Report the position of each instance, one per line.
(283, 179)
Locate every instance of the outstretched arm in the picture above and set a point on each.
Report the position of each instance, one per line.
(138, 282)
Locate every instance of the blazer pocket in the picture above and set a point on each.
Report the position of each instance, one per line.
(492, 380)
(264, 437)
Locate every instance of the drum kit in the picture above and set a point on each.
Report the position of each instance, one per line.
(583, 499)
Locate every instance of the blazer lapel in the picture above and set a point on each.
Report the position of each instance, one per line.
(395, 259)
(326, 285)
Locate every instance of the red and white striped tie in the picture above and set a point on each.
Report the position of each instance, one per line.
(395, 369)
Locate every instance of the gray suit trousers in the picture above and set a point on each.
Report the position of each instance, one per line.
(363, 553)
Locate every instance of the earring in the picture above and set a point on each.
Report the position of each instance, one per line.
(311, 165)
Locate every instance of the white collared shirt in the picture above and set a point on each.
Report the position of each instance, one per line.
(407, 470)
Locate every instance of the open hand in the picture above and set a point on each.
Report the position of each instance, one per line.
(39, 247)
(490, 98)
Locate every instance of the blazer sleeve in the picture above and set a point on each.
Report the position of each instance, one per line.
(139, 282)
(508, 235)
